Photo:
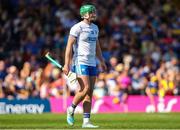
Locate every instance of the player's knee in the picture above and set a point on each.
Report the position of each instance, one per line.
(86, 90)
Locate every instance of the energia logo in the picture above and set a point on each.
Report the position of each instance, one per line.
(21, 108)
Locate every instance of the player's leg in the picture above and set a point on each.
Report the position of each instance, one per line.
(79, 96)
(84, 83)
(87, 105)
(84, 89)
(87, 102)
(88, 98)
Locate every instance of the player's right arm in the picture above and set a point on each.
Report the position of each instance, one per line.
(68, 54)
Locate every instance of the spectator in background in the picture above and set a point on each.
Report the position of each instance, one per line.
(58, 83)
(113, 63)
(139, 83)
(2, 94)
(3, 72)
(124, 85)
(99, 92)
(152, 90)
(113, 89)
(45, 81)
(2, 77)
(10, 83)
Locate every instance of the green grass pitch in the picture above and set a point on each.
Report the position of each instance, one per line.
(105, 121)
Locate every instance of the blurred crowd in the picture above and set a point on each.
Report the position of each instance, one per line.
(140, 41)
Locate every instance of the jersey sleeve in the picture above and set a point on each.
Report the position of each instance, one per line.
(75, 30)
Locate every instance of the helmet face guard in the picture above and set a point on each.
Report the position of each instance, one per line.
(87, 9)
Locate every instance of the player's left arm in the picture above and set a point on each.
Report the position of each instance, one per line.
(99, 56)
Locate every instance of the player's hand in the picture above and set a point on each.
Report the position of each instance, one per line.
(103, 66)
(66, 69)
